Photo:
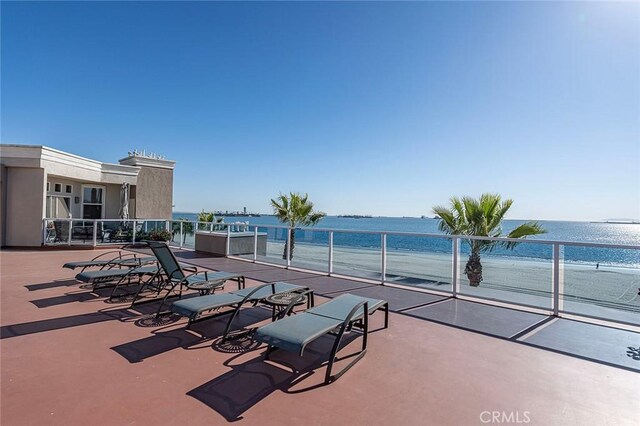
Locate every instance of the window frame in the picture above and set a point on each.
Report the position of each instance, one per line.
(103, 204)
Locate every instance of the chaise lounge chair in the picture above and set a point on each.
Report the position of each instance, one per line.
(175, 277)
(102, 262)
(116, 276)
(335, 317)
(196, 307)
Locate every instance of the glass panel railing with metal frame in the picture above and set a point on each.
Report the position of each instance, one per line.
(311, 250)
(273, 248)
(419, 261)
(518, 276)
(357, 254)
(601, 282)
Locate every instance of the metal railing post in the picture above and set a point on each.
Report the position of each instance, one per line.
(181, 233)
(288, 244)
(133, 236)
(330, 253)
(44, 231)
(228, 247)
(95, 232)
(555, 280)
(383, 252)
(166, 226)
(70, 231)
(455, 259)
(211, 227)
(255, 243)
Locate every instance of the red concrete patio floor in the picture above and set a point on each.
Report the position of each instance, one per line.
(70, 358)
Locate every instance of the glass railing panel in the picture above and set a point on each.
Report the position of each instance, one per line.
(189, 235)
(113, 231)
(272, 249)
(311, 250)
(520, 276)
(601, 282)
(357, 254)
(58, 231)
(419, 261)
(179, 231)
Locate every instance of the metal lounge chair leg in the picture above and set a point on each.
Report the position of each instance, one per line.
(328, 378)
(227, 329)
(386, 315)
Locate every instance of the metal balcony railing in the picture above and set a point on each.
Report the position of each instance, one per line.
(561, 278)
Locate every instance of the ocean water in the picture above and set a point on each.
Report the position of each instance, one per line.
(608, 233)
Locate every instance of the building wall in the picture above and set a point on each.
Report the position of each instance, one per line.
(24, 209)
(112, 195)
(113, 202)
(3, 203)
(154, 193)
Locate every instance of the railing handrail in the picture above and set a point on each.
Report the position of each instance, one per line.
(367, 232)
(451, 236)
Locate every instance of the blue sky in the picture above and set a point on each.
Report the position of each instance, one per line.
(371, 108)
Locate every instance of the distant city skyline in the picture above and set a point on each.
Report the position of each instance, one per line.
(382, 109)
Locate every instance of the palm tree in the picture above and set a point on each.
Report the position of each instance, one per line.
(295, 210)
(483, 218)
(209, 217)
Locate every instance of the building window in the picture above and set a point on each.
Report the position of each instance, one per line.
(58, 207)
(57, 187)
(68, 189)
(48, 186)
(92, 202)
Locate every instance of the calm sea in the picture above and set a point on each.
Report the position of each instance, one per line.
(627, 234)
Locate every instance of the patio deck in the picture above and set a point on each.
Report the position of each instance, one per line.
(68, 357)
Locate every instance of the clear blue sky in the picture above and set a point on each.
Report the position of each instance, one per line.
(376, 108)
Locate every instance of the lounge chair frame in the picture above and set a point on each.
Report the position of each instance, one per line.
(173, 279)
(358, 317)
(351, 320)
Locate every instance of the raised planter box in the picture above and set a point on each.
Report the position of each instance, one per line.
(241, 243)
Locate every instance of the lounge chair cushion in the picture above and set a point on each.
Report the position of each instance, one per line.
(74, 265)
(194, 306)
(295, 332)
(278, 287)
(212, 276)
(127, 261)
(114, 274)
(341, 306)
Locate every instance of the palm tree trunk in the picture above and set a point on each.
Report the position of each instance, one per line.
(292, 242)
(473, 269)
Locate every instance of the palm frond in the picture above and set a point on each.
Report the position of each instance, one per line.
(295, 210)
(523, 231)
(481, 217)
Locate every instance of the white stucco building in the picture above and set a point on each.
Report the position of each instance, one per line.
(38, 182)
